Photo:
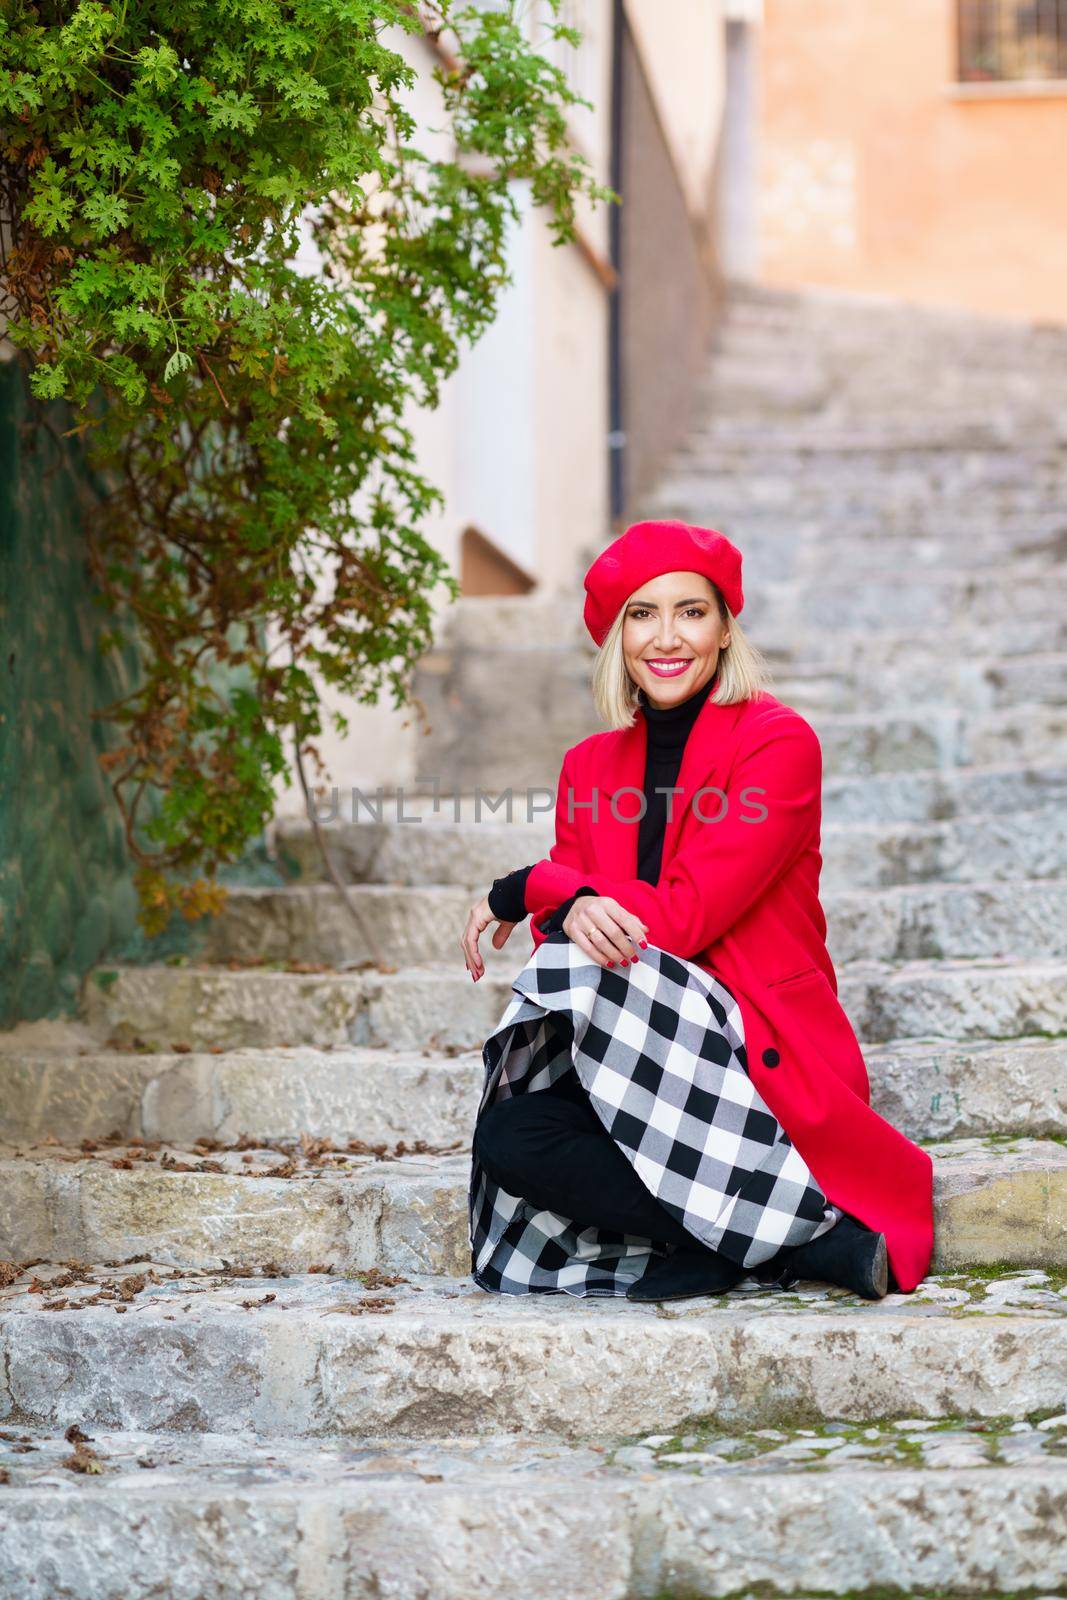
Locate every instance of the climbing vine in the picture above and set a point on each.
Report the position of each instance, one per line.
(227, 255)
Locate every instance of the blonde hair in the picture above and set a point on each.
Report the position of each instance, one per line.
(743, 670)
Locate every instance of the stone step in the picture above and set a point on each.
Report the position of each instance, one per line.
(320, 1355)
(894, 685)
(932, 358)
(797, 386)
(871, 409)
(784, 514)
(963, 1000)
(756, 303)
(698, 494)
(821, 450)
(949, 921)
(994, 1201)
(203, 1007)
(813, 407)
(373, 1094)
(413, 925)
(929, 1088)
(779, 544)
(432, 1007)
(408, 1518)
(971, 598)
(998, 791)
(790, 645)
(848, 393)
(1030, 844)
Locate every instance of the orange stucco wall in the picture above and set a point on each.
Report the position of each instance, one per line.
(872, 177)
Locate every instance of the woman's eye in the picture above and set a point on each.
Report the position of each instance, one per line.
(693, 611)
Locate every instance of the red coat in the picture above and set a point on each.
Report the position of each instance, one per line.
(740, 898)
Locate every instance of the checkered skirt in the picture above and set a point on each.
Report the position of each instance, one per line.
(659, 1048)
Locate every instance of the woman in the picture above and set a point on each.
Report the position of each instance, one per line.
(674, 1097)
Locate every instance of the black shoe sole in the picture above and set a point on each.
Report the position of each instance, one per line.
(879, 1272)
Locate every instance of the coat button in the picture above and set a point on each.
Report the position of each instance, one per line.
(771, 1057)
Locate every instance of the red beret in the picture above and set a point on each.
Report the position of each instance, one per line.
(648, 549)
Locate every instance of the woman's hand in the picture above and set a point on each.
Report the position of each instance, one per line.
(479, 919)
(604, 930)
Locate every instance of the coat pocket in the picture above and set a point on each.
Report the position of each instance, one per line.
(810, 971)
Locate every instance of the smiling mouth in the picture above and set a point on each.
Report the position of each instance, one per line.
(670, 667)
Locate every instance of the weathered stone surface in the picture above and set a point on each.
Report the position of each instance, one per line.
(74, 1096)
(1000, 1201)
(955, 999)
(421, 924)
(309, 922)
(862, 743)
(939, 1089)
(404, 1215)
(226, 1516)
(441, 1008)
(982, 850)
(929, 1088)
(958, 922)
(372, 1094)
(206, 1008)
(1006, 1202)
(929, 796)
(429, 1360)
(1030, 843)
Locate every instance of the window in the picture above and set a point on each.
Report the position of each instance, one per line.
(1011, 39)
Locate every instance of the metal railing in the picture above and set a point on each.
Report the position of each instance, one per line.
(1011, 39)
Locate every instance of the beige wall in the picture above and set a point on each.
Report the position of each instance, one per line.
(681, 47)
(875, 175)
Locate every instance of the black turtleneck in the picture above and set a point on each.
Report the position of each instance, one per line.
(668, 728)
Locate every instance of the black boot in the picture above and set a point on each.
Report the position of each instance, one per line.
(850, 1255)
(685, 1273)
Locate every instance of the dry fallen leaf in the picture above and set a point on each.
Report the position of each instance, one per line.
(375, 1278)
(83, 1460)
(356, 1308)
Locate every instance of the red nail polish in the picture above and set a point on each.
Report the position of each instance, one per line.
(611, 963)
(644, 944)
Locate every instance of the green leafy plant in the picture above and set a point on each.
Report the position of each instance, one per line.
(163, 164)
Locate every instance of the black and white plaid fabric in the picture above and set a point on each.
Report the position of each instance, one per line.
(659, 1049)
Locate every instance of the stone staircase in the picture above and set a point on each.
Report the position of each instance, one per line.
(257, 1159)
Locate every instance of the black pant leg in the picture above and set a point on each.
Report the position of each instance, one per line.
(550, 1148)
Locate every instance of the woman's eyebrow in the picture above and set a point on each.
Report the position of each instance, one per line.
(696, 599)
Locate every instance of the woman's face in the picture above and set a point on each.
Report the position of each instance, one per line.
(672, 635)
